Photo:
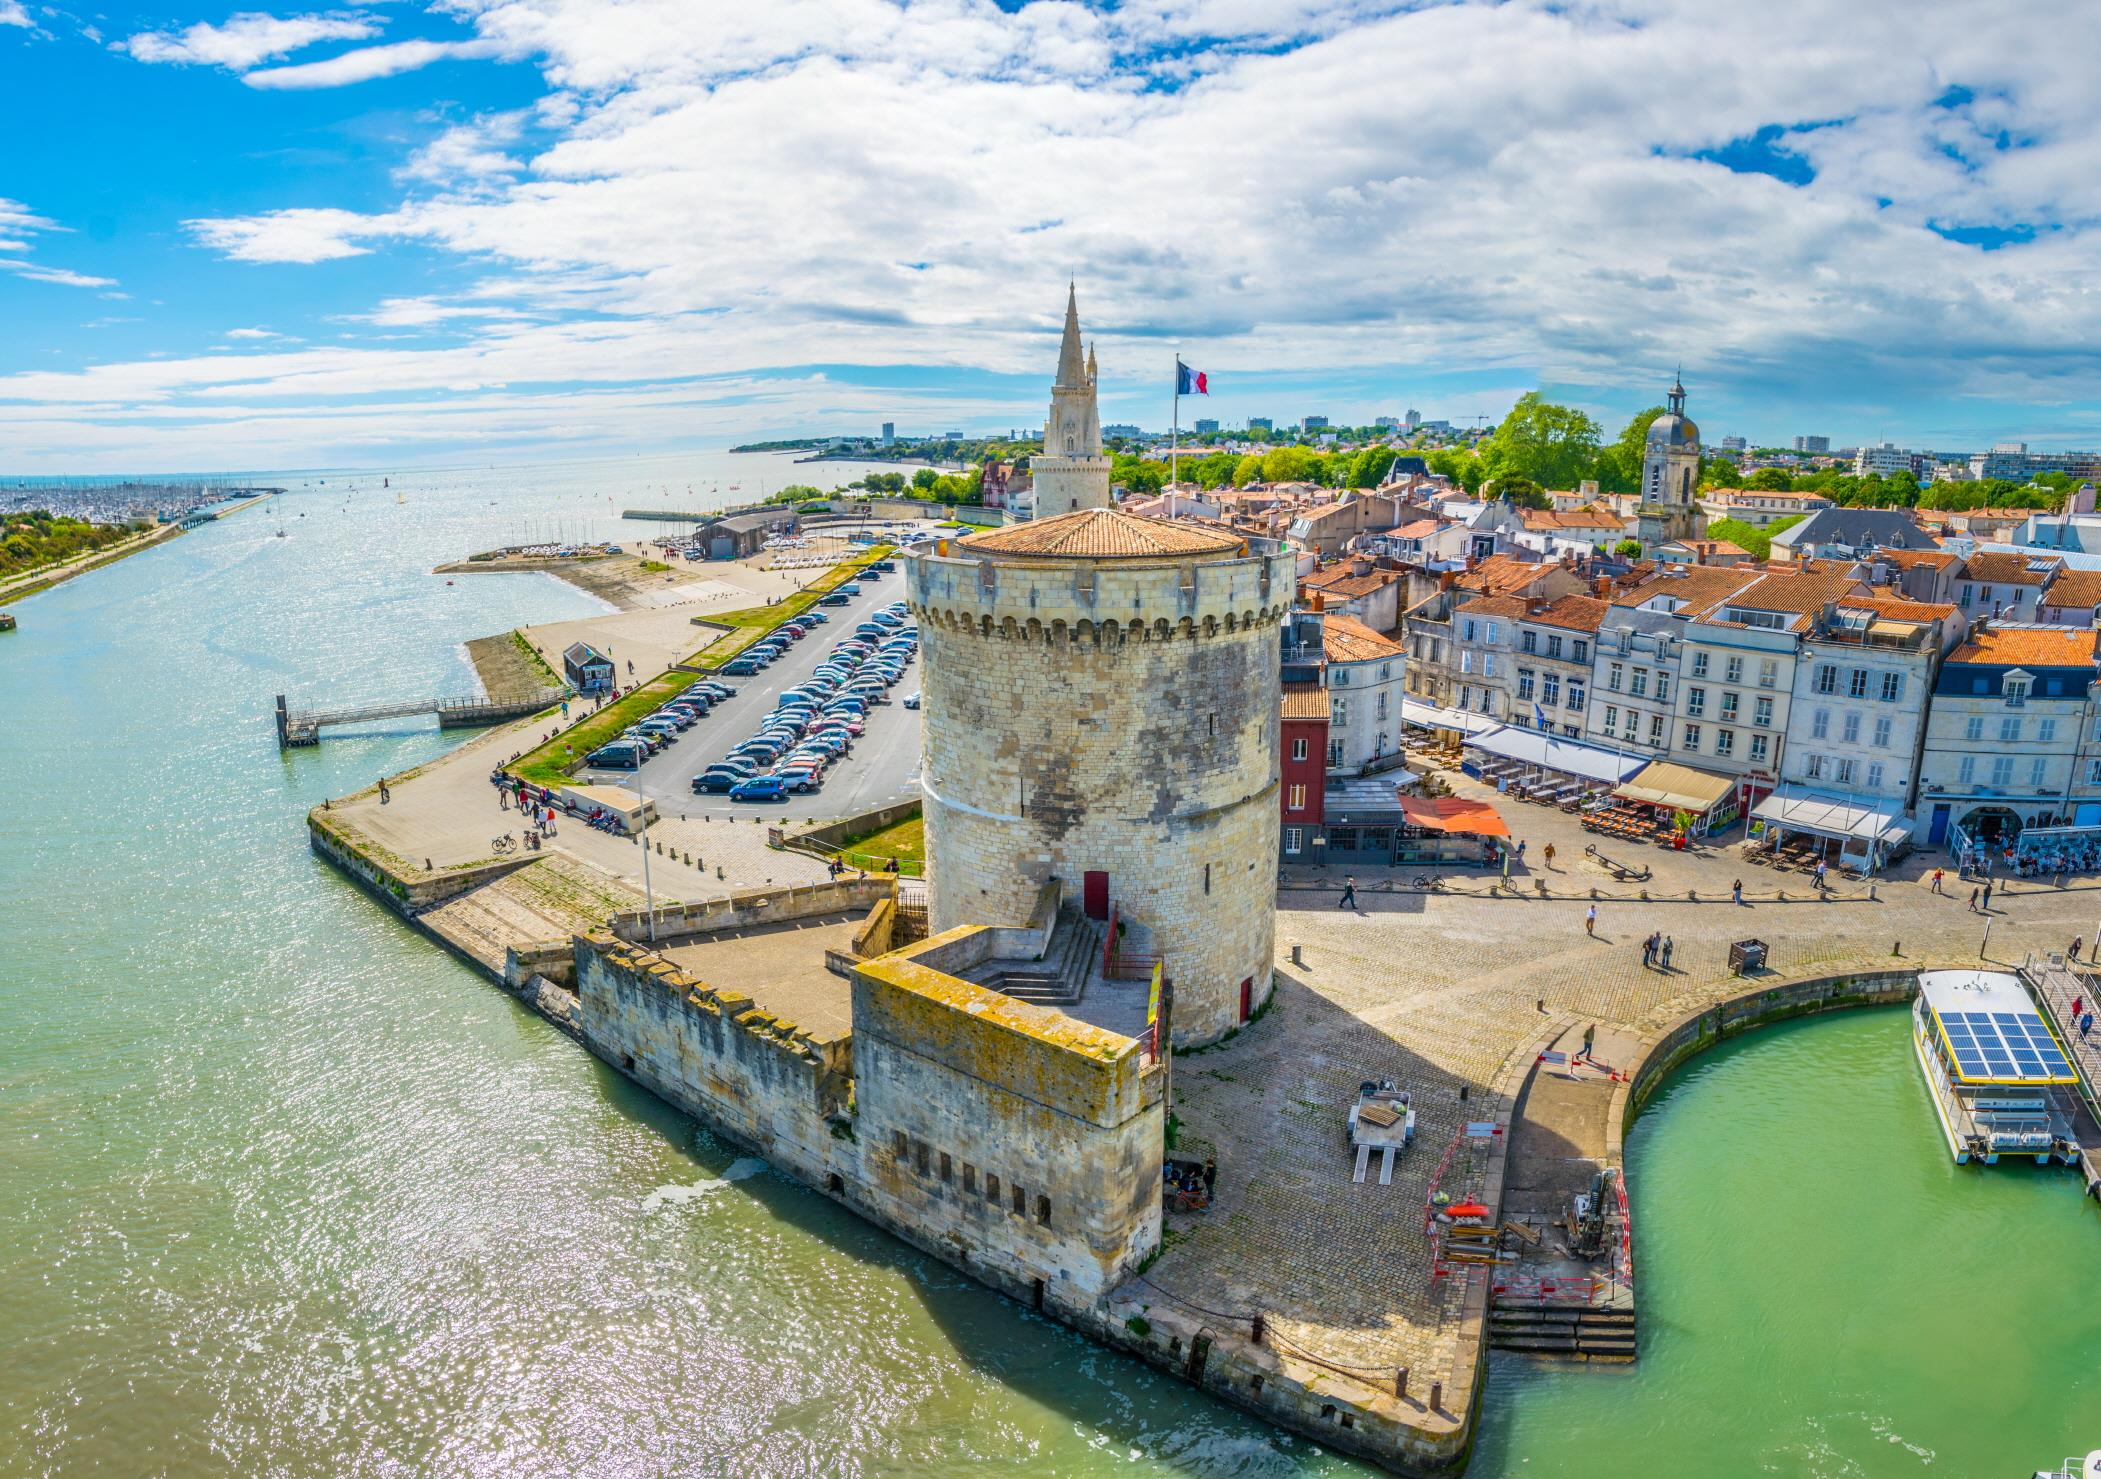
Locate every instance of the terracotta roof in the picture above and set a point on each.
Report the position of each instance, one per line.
(1420, 529)
(1799, 596)
(1100, 534)
(1591, 517)
(2046, 647)
(1709, 547)
(1341, 581)
(2081, 588)
(1780, 494)
(1513, 608)
(1347, 639)
(1695, 585)
(1305, 701)
(1905, 559)
(1502, 574)
(1576, 613)
(1896, 609)
(1997, 568)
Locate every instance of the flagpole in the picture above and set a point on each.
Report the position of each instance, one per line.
(1174, 436)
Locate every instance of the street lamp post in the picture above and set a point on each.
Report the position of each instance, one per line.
(649, 895)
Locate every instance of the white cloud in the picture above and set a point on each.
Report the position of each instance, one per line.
(252, 334)
(62, 276)
(12, 14)
(18, 223)
(367, 63)
(1272, 185)
(248, 38)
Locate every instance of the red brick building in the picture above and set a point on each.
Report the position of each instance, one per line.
(1303, 743)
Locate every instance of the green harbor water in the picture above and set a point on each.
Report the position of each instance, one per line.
(285, 1190)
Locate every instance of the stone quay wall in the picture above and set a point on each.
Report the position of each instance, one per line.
(752, 906)
(1118, 717)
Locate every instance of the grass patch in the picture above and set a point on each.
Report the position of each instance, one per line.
(904, 841)
(537, 663)
(655, 567)
(753, 622)
(549, 764)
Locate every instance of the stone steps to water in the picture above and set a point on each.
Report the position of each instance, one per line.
(546, 900)
(1572, 1334)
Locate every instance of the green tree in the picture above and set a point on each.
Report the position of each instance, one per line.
(1555, 446)
(1628, 549)
(925, 478)
(1247, 470)
(1619, 462)
(1746, 536)
(1288, 465)
(1771, 480)
(1369, 467)
(1214, 471)
(1522, 492)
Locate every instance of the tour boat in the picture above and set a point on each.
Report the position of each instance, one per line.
(1999, 1077)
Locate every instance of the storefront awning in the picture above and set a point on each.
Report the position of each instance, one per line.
(1553, 752)
(1453, 814)
(1829, 815)
(1679, 787)
(1430, 716)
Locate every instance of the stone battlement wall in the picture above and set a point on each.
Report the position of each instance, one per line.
(752, 906)
(1023, 1141)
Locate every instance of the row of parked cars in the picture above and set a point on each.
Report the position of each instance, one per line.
(645, 737)
(816, 722)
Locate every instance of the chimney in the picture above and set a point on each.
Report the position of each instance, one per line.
(1320, 601)
(1602, 587)
(1588, 488)
(1445, 579)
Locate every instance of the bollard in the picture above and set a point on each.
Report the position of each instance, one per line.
(1400, 1383)
(1254, 1323)
(1462, 1093)
(1437, 1396)
(1896, 947)
(1871, 893)
(1296, 957)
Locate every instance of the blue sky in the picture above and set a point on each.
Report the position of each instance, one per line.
(398, 233)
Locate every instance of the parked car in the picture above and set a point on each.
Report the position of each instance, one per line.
(714, 690)
(618, 755)
(836, 598)
(851, 588)
(759, 788)
(718, 780)
(911, 700)
(740, 667)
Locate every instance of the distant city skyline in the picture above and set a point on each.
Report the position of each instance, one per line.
(421, 232)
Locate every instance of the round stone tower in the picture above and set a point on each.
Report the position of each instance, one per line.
(1101, 706)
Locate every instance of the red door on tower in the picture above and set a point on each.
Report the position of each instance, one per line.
(1247, 997)
(1094, 894)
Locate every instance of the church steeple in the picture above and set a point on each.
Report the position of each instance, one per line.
(1676, 395)
(1070, 371)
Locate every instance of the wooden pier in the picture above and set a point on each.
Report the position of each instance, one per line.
(2056, 983)
(304, 726)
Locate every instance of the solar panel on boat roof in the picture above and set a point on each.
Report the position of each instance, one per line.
(2003, 1045)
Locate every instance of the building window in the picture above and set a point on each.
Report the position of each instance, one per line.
(1021, 1201)
(1294, 839)
(2046, 731)
(1655, 729)
(2010, 729)
(1298, 798)
(1298, 748)
(2002, 771)
(1466, 660)
(1528, 641)
(1550, 689)
(1966, 772)
(1575, 696)
(1820, 724)
(1815, 768)
(1334, 752)
(1882, 732)
(1385, 671)
(1758, 749)
(1874, 775)
(1973, 727)
(1580, 652)
(1699, 664)
(970, 1178)
(1892, 687)
(1381, 705)
(1735, 670)
(1826, 678)
(1615, 673)
(1762, 712)
(2037, 769)
(1857, 685)
(1553, 646)
(1488, 664)
(1852, 727)
(948, 1170)
(2016, 690)
(991, 1187)
(1695, 701)
(1641, 683)
(1768, 673)
(1725, 742)
(1663, 688)
(1845, 770)
(1466, 629)
(1340, 707)
(2093, 772)
(1612, 717)
(1043, 1210)
(1339, 677)
(1692, 736)
(1524, 685)
(1494, 633)
(900, 1144)
(1729, 706)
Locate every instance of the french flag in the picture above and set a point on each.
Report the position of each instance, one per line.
(1191, 382)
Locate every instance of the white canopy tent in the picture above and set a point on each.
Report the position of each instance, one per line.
(1870, 831)
(1430, 716)
(1557, 753)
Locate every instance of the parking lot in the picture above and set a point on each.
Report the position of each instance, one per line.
(882, 767)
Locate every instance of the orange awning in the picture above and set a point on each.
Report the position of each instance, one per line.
(1453, 814)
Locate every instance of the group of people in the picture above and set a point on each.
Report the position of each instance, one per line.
(534, 803)
(1656, 952)
(1189, 1186)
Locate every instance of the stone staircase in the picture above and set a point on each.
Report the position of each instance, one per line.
(1572, 1334)
(1060, 978)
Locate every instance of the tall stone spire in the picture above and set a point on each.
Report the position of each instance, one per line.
(1070, 472)
(1071, 372)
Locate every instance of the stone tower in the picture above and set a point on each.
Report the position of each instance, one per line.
(1071, 473)
(1670, 476)
(1101, 707)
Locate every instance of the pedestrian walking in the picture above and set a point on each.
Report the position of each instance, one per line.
(1937, 873)
(1648, 952)
(2084, 1023)
(1666, 952)
(1821, 885)
(1590, 1039)
(1986, 907)
(1547, 852)
(2076, 1003)
(1973, 901)
(1349, 894)
(1590, 921)
(1210, 1176)
(1520, 849)
(2077, 941)
(1736, 892)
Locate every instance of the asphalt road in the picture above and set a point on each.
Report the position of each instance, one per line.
(882, 768)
